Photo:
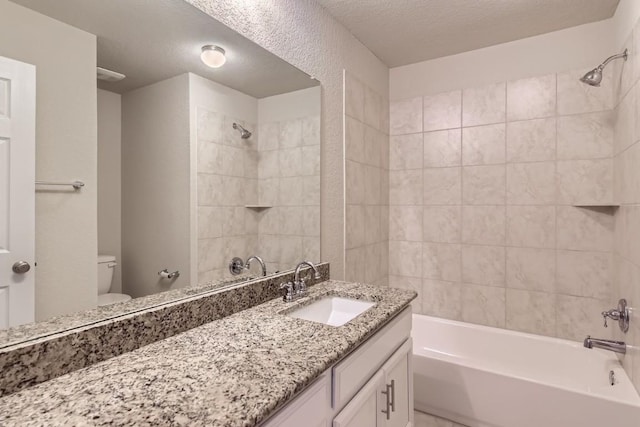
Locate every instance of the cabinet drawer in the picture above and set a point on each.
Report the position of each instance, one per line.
(311, 408)
(352, 373)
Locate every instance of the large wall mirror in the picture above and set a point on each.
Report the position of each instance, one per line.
(193, 165)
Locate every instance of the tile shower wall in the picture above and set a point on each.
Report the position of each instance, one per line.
(626, 92)
(289, 187)
(367, 183)
(500, 204)
(227, 181)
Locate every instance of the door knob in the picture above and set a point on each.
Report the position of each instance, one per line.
(21, 267)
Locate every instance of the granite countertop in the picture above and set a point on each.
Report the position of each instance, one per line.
(235, 371)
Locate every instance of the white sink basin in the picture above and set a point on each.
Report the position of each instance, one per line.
(333, 311)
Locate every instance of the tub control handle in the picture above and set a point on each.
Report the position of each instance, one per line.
(387, 394)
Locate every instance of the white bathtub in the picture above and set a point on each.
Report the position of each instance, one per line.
(481, 376)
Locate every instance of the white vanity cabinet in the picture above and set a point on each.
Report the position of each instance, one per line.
(387, 399)
(371, 387)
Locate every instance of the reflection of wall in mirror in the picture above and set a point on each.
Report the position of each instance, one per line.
(66, 236)
(235, 172)
(156, 214)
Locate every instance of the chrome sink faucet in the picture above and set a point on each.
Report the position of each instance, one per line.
(615, 346)
(262, 264)
(298, 288)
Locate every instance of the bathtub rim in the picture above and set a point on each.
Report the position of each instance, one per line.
(445, 357)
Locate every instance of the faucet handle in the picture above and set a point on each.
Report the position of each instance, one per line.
(604, 316)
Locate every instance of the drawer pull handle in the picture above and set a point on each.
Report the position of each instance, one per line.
(389, 403)
(393, 396)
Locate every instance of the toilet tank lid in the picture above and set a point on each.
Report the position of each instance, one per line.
(106, 258)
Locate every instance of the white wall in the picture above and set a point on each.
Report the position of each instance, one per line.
(304, 34)
(583, 46)
(624, 20)
(292, 105)
(109, 180)
(156, 218)
(66, 149)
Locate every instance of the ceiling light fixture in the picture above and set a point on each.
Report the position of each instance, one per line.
(213, 56)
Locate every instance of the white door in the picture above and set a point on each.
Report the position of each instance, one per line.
(17, 191)
(365, 409)
(398, 371)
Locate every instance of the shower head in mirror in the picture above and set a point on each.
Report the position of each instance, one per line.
(594, 77)
(244, 134)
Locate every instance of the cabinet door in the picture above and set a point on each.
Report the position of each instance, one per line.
(310, 409)
(398, 384)
(364, 409)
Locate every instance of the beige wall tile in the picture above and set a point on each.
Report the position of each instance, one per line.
(484, 225)
(373, 139)
(355, 259)
(405, 259)
(355, 227)
(531, 183)
(372, 108)
(586, 274)
(483, 265)
(410, 284)
(405, 116)
(483, 145)
(406, 152)
(531, 226)
(533, 312)
(405, 223)
(441, 261)
(578, 317)
(442, 111)
(484, 105)
(531, 140)
(372, 183)
(354, 97)
(531, 98)
(626, 122)
(575, 97)
(355, 182)
(268, 164)
(585, 182)
(209, 157)
(586, 136)
(484, 305)
(442, 186)
(442, 224)
(443, 148)
(441, 299)
(354, 139)
(584, 229)
(310, 130)
(531, 269)
(269, 135)
(405, 187)
(210, 125)
(291, 134)
(372, 232)
(483, 185)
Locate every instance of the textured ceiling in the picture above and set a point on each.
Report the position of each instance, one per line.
(402, 32)
(150, 41)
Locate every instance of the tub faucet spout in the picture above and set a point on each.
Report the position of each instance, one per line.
(615, 346)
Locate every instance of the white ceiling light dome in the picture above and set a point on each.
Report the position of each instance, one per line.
(213, 56)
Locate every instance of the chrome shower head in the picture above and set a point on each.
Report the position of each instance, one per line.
(244, 134)
(594, 77)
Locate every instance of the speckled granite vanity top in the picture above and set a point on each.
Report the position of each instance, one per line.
(235, 371)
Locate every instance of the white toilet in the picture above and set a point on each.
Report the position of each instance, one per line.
(106, 265)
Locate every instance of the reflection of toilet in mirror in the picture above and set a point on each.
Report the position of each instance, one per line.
(106, 265)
